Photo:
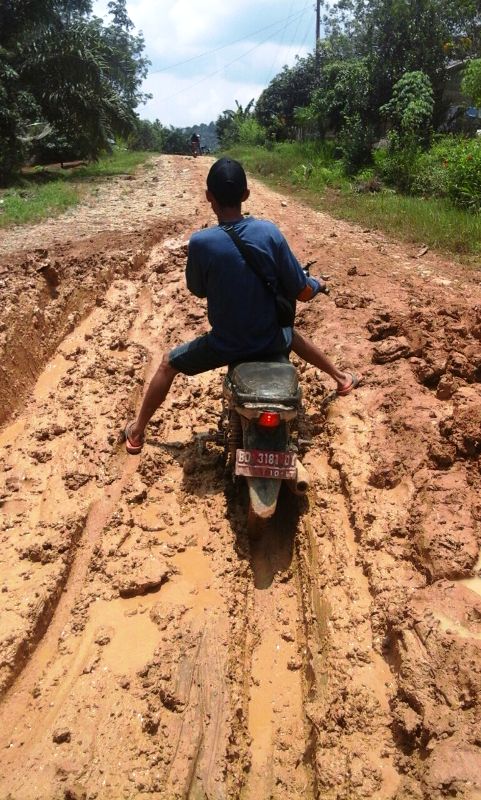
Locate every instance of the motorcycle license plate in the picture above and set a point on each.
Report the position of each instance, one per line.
(266, 464)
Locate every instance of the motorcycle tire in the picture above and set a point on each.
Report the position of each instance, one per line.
(255, 525)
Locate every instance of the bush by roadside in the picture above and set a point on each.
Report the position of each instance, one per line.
(451, 169)
(312, 171)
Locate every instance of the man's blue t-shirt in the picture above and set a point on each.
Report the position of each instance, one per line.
(240, 308)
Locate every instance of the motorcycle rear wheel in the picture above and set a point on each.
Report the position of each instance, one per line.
(255, 525)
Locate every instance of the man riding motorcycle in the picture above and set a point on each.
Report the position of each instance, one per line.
(241, 310)
(195, 144)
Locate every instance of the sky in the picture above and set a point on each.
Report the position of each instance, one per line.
(207, 55)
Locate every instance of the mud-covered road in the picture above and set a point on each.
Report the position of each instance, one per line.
(146, 649)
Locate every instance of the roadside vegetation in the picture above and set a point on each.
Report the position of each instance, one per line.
(69, 82)
(43, 192)
(319, 179)
(71, 86)
(379, 124)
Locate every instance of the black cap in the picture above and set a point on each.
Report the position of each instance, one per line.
(227, 181)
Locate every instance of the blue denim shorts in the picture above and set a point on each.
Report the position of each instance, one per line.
(192, 358)
(198, 356)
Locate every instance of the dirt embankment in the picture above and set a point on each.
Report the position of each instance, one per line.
(146, 648)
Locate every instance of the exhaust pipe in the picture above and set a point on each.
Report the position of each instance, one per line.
(302, 482)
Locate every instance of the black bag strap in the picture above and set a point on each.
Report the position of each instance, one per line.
(248, 257)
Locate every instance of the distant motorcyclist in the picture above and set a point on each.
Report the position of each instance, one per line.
(241, 312)
(195, 144)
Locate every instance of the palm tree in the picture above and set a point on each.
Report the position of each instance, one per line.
(60, 66)
(227, 125)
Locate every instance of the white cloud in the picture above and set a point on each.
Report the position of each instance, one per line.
(192, 22)
(198, 91)
(175, 103)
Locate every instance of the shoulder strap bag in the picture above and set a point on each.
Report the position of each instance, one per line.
(286, 309)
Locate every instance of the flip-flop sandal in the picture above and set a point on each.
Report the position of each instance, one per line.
(132, 449)
(355, 381)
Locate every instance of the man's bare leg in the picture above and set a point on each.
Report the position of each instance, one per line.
(154, 397)
(308, 351)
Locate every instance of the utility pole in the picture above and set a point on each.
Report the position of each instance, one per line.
(318, 29)
(318, 22)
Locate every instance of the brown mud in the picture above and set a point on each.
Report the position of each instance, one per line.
(146, 647)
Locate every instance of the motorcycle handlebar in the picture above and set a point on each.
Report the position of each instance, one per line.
(306, 268)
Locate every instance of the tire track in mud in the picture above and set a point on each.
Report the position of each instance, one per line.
(80, 645)
(254, 694)
(101, 509)
(96, 515)
(350, 683)
(276, 719)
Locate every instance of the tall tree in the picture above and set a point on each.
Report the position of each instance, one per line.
(61, 66)
(398, 36)
(290, 89)
(395, 36)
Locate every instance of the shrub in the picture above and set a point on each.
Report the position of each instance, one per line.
(409, 112)
(464, 174)
(431, 178)
(398, 163)
(250, 132)
(355, 142)
(452, 168)
(410, 109)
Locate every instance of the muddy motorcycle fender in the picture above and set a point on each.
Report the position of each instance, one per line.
(263, 492)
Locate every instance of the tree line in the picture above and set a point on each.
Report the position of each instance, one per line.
(70, 83)
(70, 86)
(381, 67)
(160, 138)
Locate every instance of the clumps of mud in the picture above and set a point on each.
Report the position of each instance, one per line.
(338, 656)
(412, 492)
(56, 465)
(442, 344)
(48, 291)
(436, 710)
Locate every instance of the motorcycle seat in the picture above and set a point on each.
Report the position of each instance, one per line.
(264, 382)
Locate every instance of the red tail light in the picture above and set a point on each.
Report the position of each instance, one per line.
(269, 419)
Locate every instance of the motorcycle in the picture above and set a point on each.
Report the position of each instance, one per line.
(260, 426)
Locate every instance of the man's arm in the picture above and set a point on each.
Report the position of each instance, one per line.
(312, 287)
(194, 272)
(295, 283)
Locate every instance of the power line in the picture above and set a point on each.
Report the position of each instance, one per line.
(297, 28)
(308, 31)
(281, 41)
(294, 35)
(218, 71)
(237, 41)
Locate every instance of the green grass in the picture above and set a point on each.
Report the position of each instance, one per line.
(430, 221)
(119, 163)
(293, 164)
(31, 203)
(47, 192)
(311, 173)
